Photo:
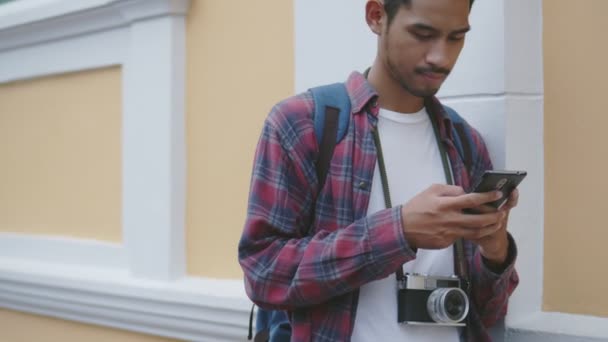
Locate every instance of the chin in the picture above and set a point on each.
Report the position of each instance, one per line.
(418, 91)
(425, 92)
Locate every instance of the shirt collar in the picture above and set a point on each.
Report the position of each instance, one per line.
(362, 94)
(360, 91)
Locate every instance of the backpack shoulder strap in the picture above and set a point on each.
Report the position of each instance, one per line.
(463, 144)
(331, 117)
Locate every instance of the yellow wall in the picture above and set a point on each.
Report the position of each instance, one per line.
(240, 63)
(60, 153)
(61, 140)
(60, 136)
(20, 327)
(576, 161)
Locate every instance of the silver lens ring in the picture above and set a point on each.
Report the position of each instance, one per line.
(448, 305)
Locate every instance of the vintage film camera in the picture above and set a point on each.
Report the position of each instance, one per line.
(424, 300)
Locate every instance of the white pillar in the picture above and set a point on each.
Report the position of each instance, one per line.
(154, 156)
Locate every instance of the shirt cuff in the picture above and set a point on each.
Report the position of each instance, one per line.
(509, 261)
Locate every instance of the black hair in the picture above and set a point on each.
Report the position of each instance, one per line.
(392, 6)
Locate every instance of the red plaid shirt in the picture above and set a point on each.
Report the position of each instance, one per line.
(310, 257)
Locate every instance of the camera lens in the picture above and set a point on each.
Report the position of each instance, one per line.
(454, 304)
(448, 305)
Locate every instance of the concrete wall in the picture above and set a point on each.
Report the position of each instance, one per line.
(240, 63)
(60, 147)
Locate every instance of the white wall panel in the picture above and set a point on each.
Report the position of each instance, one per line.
(338, 27)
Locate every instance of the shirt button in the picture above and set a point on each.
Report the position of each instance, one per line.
(362, 185)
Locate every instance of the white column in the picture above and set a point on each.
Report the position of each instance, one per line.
(154, 148)
(525, 146)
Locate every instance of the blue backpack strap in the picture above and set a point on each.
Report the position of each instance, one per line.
(463, 143)
(332, 95)
(331, 117)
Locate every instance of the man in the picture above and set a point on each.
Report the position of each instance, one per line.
(329, 256)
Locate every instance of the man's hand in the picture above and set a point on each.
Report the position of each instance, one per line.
(494, 247)
(434, 219)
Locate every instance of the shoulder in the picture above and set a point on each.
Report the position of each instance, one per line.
(463, 130)
(471, 144)
(291, 121)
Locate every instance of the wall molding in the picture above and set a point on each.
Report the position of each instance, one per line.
(555, 326)
(192, 309)
(139, 284)
(79, 53)
(63, 251)
(34, 22)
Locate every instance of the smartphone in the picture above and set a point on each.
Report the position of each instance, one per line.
(501, 180)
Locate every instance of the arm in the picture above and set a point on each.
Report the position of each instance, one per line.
(492, 262)
(286, 262)
(491, 288)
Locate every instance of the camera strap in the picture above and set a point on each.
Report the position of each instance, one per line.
(460, 267)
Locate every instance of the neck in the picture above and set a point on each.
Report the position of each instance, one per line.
(392, 95)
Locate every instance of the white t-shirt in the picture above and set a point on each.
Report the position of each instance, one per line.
(413, 163)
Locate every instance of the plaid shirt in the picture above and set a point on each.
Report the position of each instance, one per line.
(309, 256)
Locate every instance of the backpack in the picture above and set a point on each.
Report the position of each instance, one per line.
(331, 117)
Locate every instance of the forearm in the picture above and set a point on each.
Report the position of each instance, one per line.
(492, 286)
(287, 272)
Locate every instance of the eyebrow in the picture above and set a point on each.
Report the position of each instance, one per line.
(420, 26)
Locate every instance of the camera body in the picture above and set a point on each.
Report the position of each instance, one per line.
(425, 300)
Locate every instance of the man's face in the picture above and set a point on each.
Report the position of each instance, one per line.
(422, 43)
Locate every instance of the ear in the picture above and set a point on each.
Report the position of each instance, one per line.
(375, 16)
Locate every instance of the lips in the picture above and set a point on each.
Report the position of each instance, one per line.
(434, 76)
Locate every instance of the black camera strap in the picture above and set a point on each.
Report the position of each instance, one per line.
(460, 263)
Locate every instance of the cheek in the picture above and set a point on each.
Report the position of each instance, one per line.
(406, 55)
(455, 52)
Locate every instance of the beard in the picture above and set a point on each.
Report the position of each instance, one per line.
(408, 84)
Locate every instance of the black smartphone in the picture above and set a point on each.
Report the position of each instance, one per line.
(501, 180)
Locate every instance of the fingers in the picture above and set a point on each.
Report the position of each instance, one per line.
(478, 233)
(478, 221)
(467, 201)
(483, 209)
(475, 227)
(447, 190)
(513, 200)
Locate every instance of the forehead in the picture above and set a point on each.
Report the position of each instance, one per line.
(440, 14)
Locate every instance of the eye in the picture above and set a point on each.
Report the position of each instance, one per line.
(456, 38)
(423, 36)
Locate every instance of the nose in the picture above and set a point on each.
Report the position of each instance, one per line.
(438, 55)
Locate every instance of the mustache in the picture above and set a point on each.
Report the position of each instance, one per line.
(425, 70)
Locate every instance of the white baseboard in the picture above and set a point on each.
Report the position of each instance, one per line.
(555, 326)
(192, 309)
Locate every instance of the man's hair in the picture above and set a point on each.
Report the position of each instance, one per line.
(391, 7)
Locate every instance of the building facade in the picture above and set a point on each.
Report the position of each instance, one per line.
(127, 132)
